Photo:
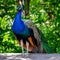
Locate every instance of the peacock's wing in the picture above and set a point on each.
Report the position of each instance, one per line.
(31, 25)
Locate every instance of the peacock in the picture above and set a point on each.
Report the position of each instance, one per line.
(23, 34)
(28, 35)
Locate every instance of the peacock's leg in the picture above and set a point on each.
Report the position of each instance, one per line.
(22, 47)
(27, 45)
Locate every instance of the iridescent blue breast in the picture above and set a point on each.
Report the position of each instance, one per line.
(18, 26)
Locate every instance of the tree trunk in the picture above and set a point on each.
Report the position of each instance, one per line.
(27, 3)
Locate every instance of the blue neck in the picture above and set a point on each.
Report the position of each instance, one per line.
(18, 25)
(18, 15)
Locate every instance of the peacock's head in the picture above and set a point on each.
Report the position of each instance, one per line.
(20, 8)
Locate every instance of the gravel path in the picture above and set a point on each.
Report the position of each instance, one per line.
(16, 56)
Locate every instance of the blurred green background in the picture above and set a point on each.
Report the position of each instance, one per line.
(44, 13)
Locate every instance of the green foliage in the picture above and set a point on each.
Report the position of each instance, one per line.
(44, 13)
(8, 43)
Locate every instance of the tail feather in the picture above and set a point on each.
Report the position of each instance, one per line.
(44, 42)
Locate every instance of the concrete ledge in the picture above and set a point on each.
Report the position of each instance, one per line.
(19, 56)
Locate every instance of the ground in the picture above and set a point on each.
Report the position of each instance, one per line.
(18, 56)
